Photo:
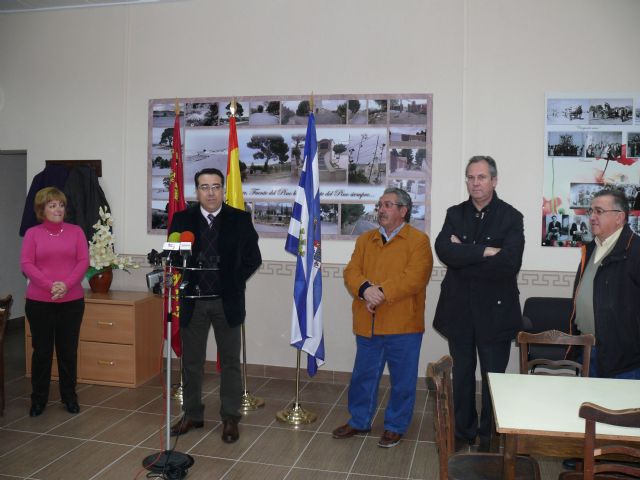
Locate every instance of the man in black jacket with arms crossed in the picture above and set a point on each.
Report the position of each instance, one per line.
(478, 311)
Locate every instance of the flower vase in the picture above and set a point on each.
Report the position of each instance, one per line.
(101, 281)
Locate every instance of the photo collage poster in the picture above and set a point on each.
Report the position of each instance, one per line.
(366, 143)
(592, 143)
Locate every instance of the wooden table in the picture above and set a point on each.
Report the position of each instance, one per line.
(538, 414)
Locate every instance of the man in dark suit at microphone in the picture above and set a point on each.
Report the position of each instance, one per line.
(225, 238)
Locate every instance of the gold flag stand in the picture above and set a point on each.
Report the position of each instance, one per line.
(249, 402)
(177, 392)
(296, 415)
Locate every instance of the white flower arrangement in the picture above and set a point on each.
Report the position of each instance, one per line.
(101, 248)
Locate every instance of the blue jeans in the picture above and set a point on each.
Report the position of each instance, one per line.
(593, 368)
(401, 353)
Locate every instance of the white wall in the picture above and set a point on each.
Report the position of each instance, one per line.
(76, 85)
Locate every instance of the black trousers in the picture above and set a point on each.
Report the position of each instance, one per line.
(494, 357)
(54, 324)
(194, 336)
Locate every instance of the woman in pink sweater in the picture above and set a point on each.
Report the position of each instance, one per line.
(55, 257)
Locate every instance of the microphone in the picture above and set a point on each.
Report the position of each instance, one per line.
(187, 239)
(172, 244)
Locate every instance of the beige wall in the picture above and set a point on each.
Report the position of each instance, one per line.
(76, 84)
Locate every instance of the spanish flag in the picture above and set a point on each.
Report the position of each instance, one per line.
(235, 197)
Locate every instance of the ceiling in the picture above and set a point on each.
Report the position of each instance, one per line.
(13, 6)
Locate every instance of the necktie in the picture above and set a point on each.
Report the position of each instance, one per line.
(211, 220)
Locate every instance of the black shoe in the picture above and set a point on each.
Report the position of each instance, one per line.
(183, 425)
(230, 431)
(72, 407)
(36, 409)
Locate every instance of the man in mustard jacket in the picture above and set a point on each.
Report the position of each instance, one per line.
(387, 277)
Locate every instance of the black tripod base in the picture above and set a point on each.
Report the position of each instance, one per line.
(173, 465)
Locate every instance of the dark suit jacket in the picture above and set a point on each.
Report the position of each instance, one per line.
(480, 292)
(239, 257)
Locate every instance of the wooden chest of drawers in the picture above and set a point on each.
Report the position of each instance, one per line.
(120, 339)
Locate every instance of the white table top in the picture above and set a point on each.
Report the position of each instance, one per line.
(548, 405)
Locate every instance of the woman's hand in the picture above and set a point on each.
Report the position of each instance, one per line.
(58, 290)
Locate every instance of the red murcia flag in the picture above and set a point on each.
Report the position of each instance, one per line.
(176, 204)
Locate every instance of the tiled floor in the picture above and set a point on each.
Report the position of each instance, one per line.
(118, 427)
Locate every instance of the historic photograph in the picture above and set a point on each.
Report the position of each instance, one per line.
(416, 188)
(377, 111)
(201, 114)
(565, 144)
(330, 112)
(265, 113)
(407, 136)
(582, 194)
(565, 111)
(329, 216)
(272, 217)
(607, 145)
(407, 162)
(295, 112)
(633, 144)
(357, 112)
(242, 112)
(367, 156)
(419, 215)
(164, 114)
(357, 218)
(563, 230)
(610, 111)
(408, 111)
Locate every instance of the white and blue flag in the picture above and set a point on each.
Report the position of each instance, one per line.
(303, 241)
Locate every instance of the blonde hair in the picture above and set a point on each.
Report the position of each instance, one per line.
(45, 196)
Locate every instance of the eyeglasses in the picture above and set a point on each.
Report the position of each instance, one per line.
(599, 211)
(479, 178)
(388, 205)
(210, 188)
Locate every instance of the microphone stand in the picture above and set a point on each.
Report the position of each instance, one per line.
(174, 463)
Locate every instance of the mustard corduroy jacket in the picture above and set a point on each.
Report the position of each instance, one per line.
(402, 267)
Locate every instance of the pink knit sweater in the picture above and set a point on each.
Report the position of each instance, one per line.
(51, 255)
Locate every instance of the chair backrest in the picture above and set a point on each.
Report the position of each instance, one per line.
(547, 313)
(593, 414)
(540, 314)
(444, 420)
(555, 337)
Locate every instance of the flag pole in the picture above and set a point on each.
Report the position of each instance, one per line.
(248, 401)
(296, 414)
(177, 392)
(303, 240)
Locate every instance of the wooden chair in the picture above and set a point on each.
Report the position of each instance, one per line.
(609, 469)
(465, 466)
(555, 337)
(5, 313)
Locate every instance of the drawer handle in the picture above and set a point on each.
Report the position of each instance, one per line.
(106, 324)
(107, 363)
